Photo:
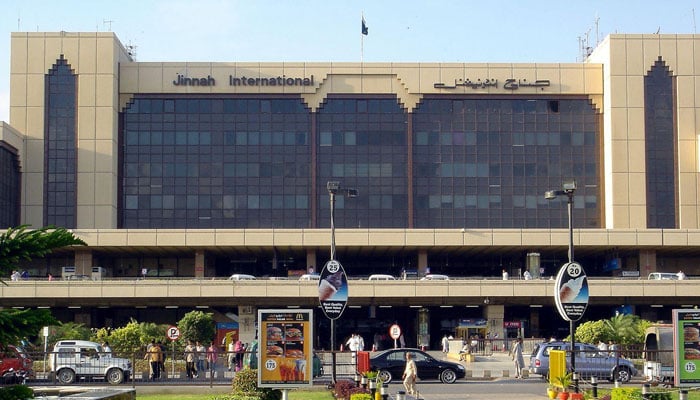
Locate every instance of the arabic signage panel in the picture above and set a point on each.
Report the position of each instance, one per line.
(285, 352)
(571, 291)
(686, 344)
(333, 289)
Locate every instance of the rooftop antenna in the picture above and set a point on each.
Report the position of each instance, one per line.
(109, 23)
(695, 30)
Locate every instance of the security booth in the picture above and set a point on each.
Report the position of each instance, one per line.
(473, 331)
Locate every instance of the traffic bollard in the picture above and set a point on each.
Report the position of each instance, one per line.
(384, 391)
(683, 395)
(400, 395)
(594, 385)
(646, 391)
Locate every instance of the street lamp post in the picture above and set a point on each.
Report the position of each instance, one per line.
(334, 188)
(568, 190)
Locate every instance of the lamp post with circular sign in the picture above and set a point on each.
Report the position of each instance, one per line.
(333, 282)
(571, 286)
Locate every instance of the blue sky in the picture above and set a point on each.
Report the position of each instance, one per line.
(329, 30)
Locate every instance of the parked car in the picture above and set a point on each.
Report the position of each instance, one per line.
(390, 365)
(589, 362)
(241, 277)
(381, 277)
(435, 277)
(15, 358)
(73, 360)
(310, 277)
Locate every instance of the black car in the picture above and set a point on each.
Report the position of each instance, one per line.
(391, 363)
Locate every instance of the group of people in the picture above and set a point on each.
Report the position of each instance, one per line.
(355, 343)
(16, 275)
(197, 358)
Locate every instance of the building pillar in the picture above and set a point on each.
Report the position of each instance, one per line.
(246, 323)
(312, 263)
(199, 263)
(535, 322)
(494, 319)
(83, 262)
(422, 262)
(647, 262)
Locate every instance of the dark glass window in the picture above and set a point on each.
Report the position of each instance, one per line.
(193, 173)
(60, 187)
(9, 186)
(660, 138)
(362, 144)
(486, 163)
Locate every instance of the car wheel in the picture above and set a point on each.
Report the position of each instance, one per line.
(115, 376)
(622, 374)
(66, 376)
(384, 375)
(448, 376)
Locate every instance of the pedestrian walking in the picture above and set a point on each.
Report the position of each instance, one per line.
(410, 375)
(516, 354)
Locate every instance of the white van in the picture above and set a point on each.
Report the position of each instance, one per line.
(662, 276)
(381, 277)
(72, 360)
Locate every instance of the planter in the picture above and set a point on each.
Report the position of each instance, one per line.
(563, 396)
(576, 396)
(551, 393)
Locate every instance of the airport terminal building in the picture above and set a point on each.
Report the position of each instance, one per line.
(192, 172)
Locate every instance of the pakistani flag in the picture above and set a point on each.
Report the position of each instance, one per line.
(365, 29)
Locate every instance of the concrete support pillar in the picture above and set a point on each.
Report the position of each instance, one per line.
(199, 263)
(422, 262)
(647, 262)
(494, 319)
(83, 262)
(246, 323)
(535, 322)
(311, 262)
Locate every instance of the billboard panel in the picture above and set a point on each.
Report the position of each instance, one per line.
(686, 325)
(285, 350)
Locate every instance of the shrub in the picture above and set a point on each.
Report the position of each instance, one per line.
(245, 387)
(635, 394)
(17, 392)
(343, 389)
(361, 396)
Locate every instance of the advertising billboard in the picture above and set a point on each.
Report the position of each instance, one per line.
(286, 348)
(686, 325)
(571, 291)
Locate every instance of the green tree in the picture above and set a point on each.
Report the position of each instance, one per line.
(68, 331)
(592, 332)
(17, 324)
(21, 243)
(18, 244)
(132, 337)
(623, 328)
(197, 326)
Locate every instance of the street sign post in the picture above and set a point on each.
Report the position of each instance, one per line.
(395, 333)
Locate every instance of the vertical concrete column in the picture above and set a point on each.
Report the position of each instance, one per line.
(83, 262)
(246, 323)
(494, 319)
(422, 262)
(647, 262)
(199, 260)
(535, 322)
(311, 261)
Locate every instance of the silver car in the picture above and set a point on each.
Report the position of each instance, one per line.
(589, 362)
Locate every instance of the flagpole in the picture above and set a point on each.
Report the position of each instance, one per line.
(362, 40)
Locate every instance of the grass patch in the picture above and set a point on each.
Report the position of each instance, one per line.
(320, 394)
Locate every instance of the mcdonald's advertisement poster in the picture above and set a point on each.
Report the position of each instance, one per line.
(285, 348)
